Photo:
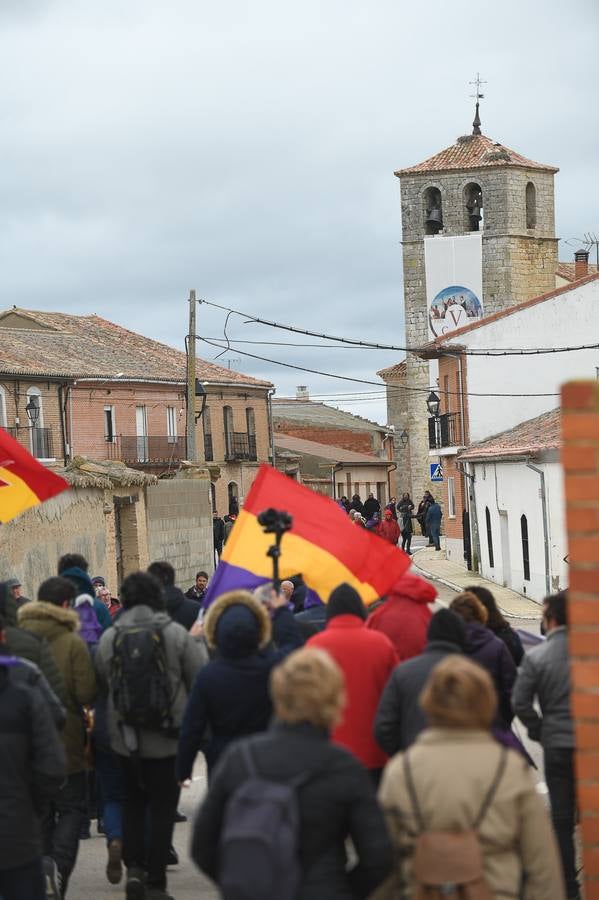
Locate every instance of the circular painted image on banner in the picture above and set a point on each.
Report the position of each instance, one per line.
(452, 308)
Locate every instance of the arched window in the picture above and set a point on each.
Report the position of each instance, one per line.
(525, 556)
(473, 207)
(531, 205)
(489, 537)
(432, 210)
(38, 436)
(228, 423)
(233, 496)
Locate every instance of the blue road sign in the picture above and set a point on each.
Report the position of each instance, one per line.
(436, 471)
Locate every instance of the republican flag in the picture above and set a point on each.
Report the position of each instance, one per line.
(323, 545)
(24, 482)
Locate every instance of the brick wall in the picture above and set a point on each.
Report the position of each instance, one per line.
(13, 400)
(360, 441)
(580, 458)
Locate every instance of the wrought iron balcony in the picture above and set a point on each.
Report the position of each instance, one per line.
(38, 441)
(149, 450)
(240, 447)
(444, 431)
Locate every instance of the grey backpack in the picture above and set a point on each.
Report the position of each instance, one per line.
(258, 852)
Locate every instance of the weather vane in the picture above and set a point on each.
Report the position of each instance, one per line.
(479, 96)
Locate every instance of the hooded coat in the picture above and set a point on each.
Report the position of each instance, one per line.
(180, 608)
(404, 616)
(388, 529)
(30, 646)
(59, 627)
(83, 585)
(490, 652)
(230, 697)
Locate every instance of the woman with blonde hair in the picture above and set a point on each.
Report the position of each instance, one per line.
(335, 797)
(457, 787)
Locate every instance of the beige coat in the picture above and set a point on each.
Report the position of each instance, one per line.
(452, 771)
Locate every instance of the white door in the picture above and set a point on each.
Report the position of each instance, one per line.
(505, 549)
(141, 428)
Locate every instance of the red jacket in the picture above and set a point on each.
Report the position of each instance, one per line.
(367, 660)
(388, 529)
(405, 615)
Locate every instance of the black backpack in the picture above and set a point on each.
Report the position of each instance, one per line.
(139, 679)
(258, 852)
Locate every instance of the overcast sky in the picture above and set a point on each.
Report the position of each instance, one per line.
(247, 149)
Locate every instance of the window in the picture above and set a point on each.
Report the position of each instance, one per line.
(433, 210)
(473, 207)
(489, 537)
(3, 416)
(531, 205)
(525, 555)
(228, 423)
(207, 428)
(39, 437)
(171, 424)
(250, 419)
(109, 425)
(451, 497)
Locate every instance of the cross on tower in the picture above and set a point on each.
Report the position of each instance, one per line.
(479, 96)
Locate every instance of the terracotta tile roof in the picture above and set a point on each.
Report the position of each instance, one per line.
(310, 412)
(61, 345)
(474, 151)
(567, 270)
(397, 370)
(528, 438)
(326, 451)
(433, 346)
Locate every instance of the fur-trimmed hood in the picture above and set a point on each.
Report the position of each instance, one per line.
(238, 634)
(46, 619)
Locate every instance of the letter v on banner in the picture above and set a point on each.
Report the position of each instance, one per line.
(453, 272)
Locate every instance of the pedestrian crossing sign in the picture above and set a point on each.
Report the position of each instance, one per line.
(436, 472)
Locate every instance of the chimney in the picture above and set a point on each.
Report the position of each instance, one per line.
(302, 392)
(581, 264)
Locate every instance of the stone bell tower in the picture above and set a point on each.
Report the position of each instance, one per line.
(476, 185)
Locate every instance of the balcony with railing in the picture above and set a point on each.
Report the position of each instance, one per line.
(39, 441)
(240, 447)
(149, 450)
(444, 431)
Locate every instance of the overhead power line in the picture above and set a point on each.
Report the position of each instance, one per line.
(509, 351)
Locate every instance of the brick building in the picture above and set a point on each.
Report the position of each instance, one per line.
(97, 389)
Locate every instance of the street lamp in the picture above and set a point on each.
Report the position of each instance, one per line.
(33, 411)
(433, 404)
(403, 439)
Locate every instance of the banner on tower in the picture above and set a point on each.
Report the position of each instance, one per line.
(454, 282)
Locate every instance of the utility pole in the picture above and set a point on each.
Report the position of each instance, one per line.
(192, 452)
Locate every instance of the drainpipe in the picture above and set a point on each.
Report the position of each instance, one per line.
(336, 468)
(541, 474)
(391, 468)
(271, 429)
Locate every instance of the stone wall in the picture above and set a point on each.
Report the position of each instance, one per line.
(179, 525)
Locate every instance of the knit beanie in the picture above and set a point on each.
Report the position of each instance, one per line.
(345, 601)
(446, 625)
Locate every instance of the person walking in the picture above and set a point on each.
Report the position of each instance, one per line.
(180, 608)
(544, 677)
(432, 523)
(489, 651)
(218, 533)
(388, 529)
(399, 717)
(371, 505)
(404, 615)
(53, 618)
(366, 659)
(456, 783)
(336, 799)
(497, 623)
(405, 505)
(146, 665)
(230, 696)
(32, 768)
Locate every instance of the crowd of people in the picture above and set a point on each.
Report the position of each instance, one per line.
(350, 751)
(396, 519)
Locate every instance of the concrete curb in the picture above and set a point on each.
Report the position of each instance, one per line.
(458, 589)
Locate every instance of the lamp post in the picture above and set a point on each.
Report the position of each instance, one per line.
(33, 412)
(403, 439)
(433, 404)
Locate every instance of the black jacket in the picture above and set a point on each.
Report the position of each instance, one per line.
(218, 532)
(336, 803)
(32, 767)
(371, 506)
(230, 698)
(180, 608)
(399, 718)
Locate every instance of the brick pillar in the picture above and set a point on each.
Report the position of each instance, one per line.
(580, 459)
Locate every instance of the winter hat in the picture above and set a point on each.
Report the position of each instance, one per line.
(446, 625)
(345, 601)
(80, 579)
(237, 632)
(99, 580)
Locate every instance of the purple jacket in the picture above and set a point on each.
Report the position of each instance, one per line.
(491, 653)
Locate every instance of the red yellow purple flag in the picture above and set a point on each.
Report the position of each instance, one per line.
(24, 482)
(323, 545)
